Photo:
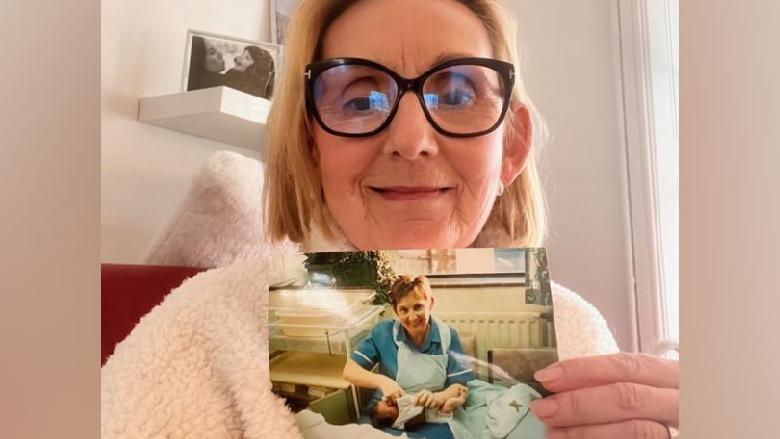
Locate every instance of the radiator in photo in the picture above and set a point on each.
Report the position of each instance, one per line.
(510, 330)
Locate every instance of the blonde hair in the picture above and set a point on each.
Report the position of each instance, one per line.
(293, 193)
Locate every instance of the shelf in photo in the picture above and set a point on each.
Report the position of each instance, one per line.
(338, 344)
(220, 113)
(323, 338)
(310, 369)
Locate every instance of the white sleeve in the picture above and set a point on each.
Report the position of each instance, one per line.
(580, 328)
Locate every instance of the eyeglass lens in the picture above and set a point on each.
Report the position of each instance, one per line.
(460, 99)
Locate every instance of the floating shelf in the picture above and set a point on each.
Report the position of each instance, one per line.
(219, 113)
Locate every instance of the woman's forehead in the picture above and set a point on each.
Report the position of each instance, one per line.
(413, 297)
(408, 36)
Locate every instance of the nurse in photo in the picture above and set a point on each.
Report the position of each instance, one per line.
(413, 351)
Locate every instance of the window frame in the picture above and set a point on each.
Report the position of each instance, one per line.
(648, 52)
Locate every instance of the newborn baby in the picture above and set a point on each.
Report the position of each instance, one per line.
(403, 414)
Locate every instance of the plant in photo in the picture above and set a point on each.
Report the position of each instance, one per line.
(371, 269)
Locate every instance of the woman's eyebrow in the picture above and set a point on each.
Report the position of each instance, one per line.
(448, 56)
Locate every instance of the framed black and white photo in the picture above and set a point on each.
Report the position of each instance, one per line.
(213, 60)
(281, 12)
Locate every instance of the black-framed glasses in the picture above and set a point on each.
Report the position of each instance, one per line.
(354, 97)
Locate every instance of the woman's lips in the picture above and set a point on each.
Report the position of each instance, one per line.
(407, 193)
(415, 326)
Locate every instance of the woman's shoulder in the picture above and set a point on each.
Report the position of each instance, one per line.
(233, 74)
(237, 78)
(580, 328)
(452, 330)
(383, 330)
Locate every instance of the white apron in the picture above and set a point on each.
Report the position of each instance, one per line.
(418, 371)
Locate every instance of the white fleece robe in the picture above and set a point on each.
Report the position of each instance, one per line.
(196, 366)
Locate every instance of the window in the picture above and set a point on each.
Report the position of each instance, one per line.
(649, 41)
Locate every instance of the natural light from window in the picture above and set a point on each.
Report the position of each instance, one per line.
(663, 21)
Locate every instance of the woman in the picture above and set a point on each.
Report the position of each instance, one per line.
(206, 65)
(396, 163)
(253, 72)
(413, 352)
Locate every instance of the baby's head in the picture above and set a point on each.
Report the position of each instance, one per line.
(384, 414)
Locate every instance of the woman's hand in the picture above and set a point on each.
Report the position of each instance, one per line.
(391, 390)
(453, 397)
(623, 395)
(451, 404)
(429, 399)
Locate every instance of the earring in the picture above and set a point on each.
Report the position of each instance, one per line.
(500, 188)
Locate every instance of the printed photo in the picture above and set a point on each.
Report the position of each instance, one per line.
(421, 343)
(213, 60)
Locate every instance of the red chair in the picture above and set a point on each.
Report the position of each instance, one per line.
(128, 292)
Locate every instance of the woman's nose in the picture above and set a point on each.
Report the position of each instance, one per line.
(409, 134)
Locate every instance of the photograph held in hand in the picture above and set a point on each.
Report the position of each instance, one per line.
(428, 343)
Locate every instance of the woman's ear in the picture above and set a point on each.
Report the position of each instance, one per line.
(517, 143)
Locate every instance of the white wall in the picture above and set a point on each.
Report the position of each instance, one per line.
(483, 299)
(570, 61)
(146, 170)
(571, 66)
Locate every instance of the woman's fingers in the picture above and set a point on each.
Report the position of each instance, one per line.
(604, 369)
(393, 395)
(422, 398)
(635, 429)
(426, 398)
(608, 404)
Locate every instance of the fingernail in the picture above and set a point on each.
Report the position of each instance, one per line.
(552, 373)
(544, 408)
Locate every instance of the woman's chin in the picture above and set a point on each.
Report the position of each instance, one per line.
(416, 329)
(410, 235)
(394, 243)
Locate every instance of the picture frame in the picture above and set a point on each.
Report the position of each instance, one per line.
(212, 60)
